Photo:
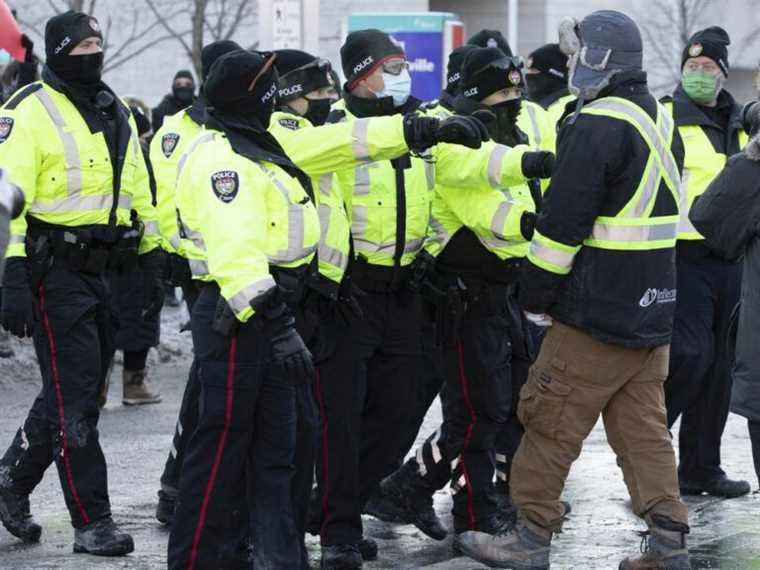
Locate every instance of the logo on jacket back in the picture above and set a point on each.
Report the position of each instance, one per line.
(6, 126)
(225, 185)
(654, 295)
(169, 143)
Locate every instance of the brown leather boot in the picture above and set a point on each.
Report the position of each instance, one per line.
(663, 548)
(137, 390)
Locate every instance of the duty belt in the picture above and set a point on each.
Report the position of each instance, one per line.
(378, 278)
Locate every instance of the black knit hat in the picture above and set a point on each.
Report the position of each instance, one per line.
(300, 73)
(491, 39)
(711, 42)
(184, 74)
(454, 67)
(549, 59)
(213, 51)
(364, 51)
(240, 81)
(64, 31)
(488, 70)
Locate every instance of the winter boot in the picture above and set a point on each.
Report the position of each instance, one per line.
(341, 557)
(165, 508)
(6, 350)
(525, 546)
(722, 487)
(16, 517)
(102, 538)
(137, 389)
(405, 493)
(368, 549)
(384, 508)
(663, 547)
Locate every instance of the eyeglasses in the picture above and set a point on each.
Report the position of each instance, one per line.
(504, 64)
(395, 66)
(707, 67)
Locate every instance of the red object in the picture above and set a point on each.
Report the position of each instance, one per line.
(10, 34)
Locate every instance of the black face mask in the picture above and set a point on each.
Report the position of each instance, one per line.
(541, 85)
(184, 95)
(504, 128)
(78, 70)
(318, 111)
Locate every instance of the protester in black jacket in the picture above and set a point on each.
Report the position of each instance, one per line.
(728, 215)
(182, 95)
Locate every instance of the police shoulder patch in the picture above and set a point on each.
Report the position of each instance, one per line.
(291, 124)
(225, 184)
(169, 143)
(6, 126)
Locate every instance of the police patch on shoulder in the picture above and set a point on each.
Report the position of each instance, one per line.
(291, 124)
(225, 185)
(6, 126)
(169, 143)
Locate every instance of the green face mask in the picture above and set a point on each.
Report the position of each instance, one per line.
(701, 87)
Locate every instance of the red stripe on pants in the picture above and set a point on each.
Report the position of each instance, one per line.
(219, 452)
(325, 459)
(468, 436)
(59, 400)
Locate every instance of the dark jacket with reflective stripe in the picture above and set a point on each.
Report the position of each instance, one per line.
(619, 297)
(728, 215)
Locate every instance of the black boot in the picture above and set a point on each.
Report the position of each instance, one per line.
(102, 538)
(722, 487)
(368, 549)
(165, 508)
(14, 512)
(408, 494)
(341, 557)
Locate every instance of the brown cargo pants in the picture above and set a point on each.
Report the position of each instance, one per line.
(574, 379)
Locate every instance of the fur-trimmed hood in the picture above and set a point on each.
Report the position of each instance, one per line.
(752, 149)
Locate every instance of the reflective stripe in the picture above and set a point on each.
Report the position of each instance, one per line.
(534, 125)
(195, 144)
(325, 184)
(501, 475)
(359, 222)
(70, 149)
(460, 484)
(241, 300)
(495, 162)
(626, 233)
(198, 267)
(79, 203)
(430, 174)
(501, 458)
(295, 250)
(653, 175)
(421, 467)
(361, 181)
(325, 252)
(436, 451)
(17, 239)
(151, 228)
(359, 135)
(655, 135)
(561, 260)
(684, 223)
(175, 241)
(500, 218)
(439, 233)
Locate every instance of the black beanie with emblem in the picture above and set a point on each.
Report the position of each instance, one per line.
(486, 71)
(213, 51)
(364, 51)
(491, 39)
(454, 67)
(64, 31)
(711, 42)
(550, 60)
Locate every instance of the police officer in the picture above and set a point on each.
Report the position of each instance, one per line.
(166, 149)
(250, 357)
(546, 79)
(602, 267)
(366, 388)
(699, 381)
(71, 145)
(479, 238)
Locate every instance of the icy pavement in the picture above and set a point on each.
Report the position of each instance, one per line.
(600, 532)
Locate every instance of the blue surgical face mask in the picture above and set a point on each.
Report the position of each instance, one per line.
(397, 86)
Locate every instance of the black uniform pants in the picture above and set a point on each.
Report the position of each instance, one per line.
(699, 381)
(366, 396)
(73, 340)
(246, 428)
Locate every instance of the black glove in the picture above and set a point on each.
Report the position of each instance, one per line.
(528, 225)
(178, 270)
(421, 133)
(538, 164)
(333, 303)
(278, 325)
(18, 306)
(419, 270)
(28, 44)
(153, 265)
(751, 118)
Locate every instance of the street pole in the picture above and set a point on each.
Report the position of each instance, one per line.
(512, 15)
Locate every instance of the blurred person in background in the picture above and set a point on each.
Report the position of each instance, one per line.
(182, 96)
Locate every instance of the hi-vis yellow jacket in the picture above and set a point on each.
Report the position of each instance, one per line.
(65, 170)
